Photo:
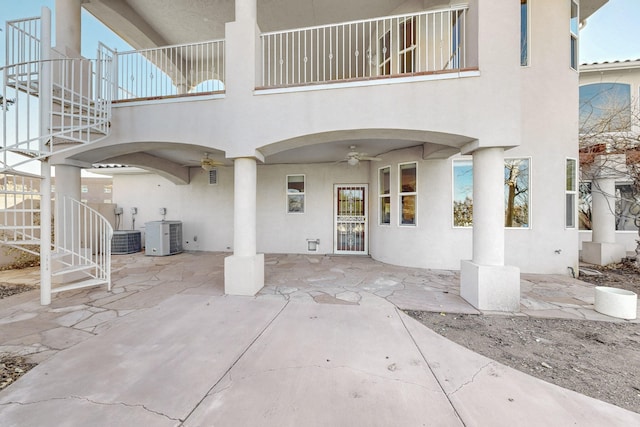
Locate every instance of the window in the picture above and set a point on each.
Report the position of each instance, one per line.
(384, 53)
(573, 30)
(605, 107)
(295, 193)
(627, 207)
(456, 59)
(584, 206)
(107, 189)
(462, 193)
(107, 200)
(516, 193)
(407, 30)
(570, 194)
(84, 188)
(384, 194)
(408, 193)
(524, 32)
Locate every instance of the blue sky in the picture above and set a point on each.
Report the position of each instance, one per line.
(612, 33)
(93, 31)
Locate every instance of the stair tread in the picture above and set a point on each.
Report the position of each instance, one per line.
(80, 284)
(72, 269)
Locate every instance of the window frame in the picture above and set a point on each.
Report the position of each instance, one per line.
(402, 194)
(574, 35)
(571, 193)
(382, 195)
(525, 34)
(605, 99)
(617, 202)
(290, 194)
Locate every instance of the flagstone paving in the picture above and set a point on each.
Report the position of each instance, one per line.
(166, 326)
(142, 282)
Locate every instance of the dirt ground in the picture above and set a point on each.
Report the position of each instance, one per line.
(598, 359)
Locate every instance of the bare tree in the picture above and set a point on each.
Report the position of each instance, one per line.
(5, 102)
(517, 209)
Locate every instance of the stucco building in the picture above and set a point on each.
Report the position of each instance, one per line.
(432, 134)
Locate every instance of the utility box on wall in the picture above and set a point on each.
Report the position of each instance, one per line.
(163, 238)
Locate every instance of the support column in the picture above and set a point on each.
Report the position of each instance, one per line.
(244, 270)
(246, 10)
(603, 249)
(243, 62)
(485, 282)
(69, 26)
(68, 185)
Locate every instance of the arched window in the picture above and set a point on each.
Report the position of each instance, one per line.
(605, 107)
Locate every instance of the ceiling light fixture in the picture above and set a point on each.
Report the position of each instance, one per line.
(353, 161)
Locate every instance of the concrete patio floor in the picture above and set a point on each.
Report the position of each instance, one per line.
(324, 343)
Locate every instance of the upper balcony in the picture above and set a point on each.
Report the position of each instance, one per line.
(430, 44)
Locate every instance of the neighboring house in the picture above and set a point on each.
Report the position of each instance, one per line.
(610, 138)
(428, 134)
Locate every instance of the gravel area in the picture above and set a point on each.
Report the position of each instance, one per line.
(598, 359)
(8, 289)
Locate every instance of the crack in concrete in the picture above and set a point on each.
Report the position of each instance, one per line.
(473, 378)
(86, 399)
(453, 407)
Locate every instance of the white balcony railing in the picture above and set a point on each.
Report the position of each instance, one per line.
(172, 70)
(421, 43)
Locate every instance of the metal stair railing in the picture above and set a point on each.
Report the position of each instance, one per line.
(20, 211)
(83, 246)
(51, 103)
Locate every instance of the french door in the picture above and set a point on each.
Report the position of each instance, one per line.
(351, 227)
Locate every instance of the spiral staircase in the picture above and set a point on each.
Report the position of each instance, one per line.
(51, 102)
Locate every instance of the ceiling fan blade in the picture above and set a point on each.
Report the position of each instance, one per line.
(375, 159)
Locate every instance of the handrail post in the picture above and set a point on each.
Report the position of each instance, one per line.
(45, 185)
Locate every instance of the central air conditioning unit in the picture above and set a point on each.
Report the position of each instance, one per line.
(163, 238)
(126, 242)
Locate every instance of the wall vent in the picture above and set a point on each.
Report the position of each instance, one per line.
(213, 176)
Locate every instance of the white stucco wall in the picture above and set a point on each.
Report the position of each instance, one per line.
(502, 104)
(205, 210)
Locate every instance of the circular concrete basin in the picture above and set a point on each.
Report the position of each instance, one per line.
(616, 302)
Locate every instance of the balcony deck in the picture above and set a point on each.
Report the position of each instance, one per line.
(427, 44)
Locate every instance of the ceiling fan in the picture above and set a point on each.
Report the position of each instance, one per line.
(354, 157)
(208, 163)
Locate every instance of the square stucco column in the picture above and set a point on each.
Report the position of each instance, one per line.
(244, 270)
(603, 249)
(68, 25)
(485, 282)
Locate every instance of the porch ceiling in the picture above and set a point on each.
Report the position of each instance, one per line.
(153, 23)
